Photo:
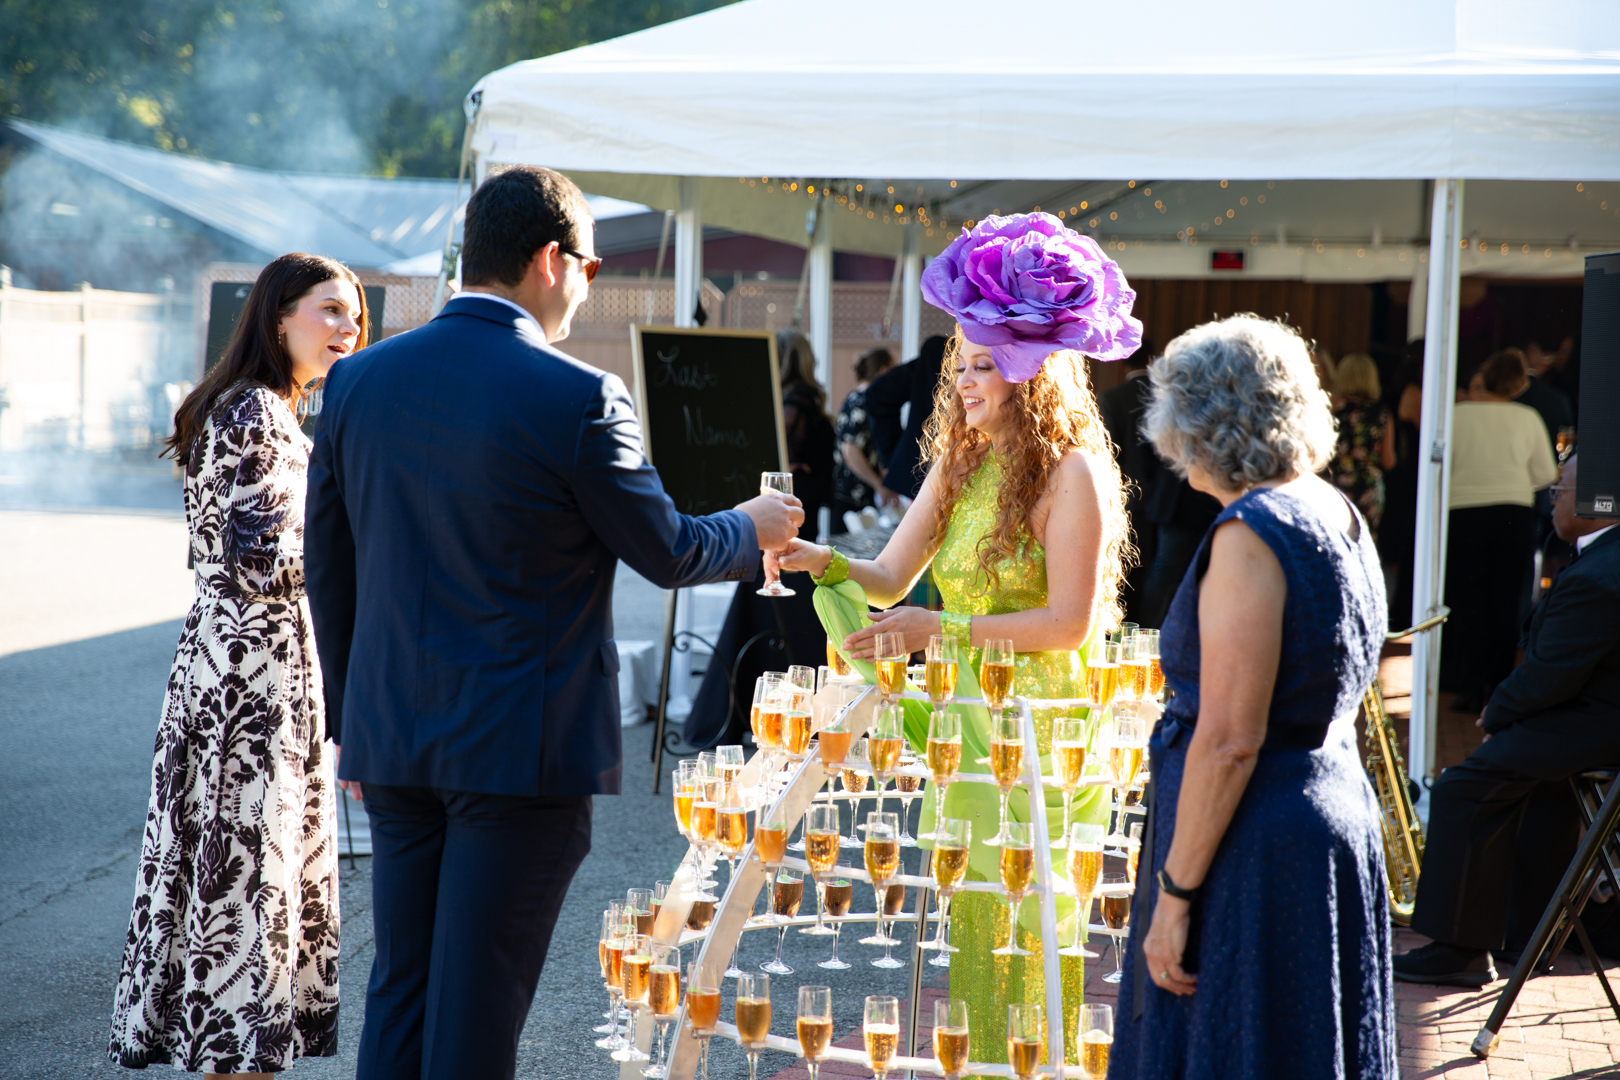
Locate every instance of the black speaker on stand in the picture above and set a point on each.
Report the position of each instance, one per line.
(1597, 485)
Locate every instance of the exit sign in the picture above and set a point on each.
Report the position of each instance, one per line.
(1226, 260)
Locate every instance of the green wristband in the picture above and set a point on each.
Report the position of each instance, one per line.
(837, 570)
(957, 626)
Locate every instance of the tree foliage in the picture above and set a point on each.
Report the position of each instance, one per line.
(305, 85)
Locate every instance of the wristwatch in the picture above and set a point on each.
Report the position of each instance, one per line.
(1172, 889)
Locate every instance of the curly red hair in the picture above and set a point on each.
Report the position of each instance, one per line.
(1053, 413)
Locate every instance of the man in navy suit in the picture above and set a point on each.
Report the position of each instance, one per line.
(471, 492)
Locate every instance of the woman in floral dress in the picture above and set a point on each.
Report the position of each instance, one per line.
(230, 966)
(1366, 447)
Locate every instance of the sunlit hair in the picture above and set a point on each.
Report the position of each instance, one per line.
(1051, 414)
(1357, 378)
(1240, 399)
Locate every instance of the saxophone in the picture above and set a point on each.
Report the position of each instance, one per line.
(1403, 832)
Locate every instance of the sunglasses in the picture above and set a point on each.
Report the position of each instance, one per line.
(586, 263)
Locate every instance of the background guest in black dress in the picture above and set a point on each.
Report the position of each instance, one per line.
(1501, 829)
(899, 439)
(857, 468)
(810, 443)
(1121, 409)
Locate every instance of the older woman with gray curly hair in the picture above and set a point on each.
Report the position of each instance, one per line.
(1260, 938)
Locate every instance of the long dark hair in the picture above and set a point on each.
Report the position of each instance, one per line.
(255, 353)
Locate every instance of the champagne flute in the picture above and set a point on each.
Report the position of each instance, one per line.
(1006, 762)
(729, 761)
(996, 672)
(685, 789)
(815, 1024)
(882, 1033)
(1125, 757)
(803, 676)
(610, 955)
(764, 690)
(780, 482)
(702, 1011)
(1133, 661)
(939, 673)
(770, 845)
(660, 894)
(786, 895)
(951, 842)
(1026, 1039)
(882, 861)
(854, 776)
(821, 843)
(1069, 762)
(796, 721)
(951, 1040)
(835, 660)
(1017, 871)
(639, 903)
(637, 971)
(731, 827)
(705, 832)
(944, 759)
(1085, 867)
(894, 905)
(664, 1000)
(884, 742)
(700, 914)
(1150, 646)
(753, 1017)
(1096, 1029)
(891, 665)
(908, 786)
(837, 895)
(1116, 908)
(1102, 675)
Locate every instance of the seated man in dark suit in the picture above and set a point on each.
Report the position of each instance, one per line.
(471, 492)
(1556, 715)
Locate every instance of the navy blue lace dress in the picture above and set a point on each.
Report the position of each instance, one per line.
(1290, 937)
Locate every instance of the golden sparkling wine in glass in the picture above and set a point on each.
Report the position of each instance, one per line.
(770, 844)
(796, 732)
(1006, 760)
(1135, 677)
(906, 784)
(1103, 677)
(1155, 676)
(835, 659)
(787, 896)
(615, 961)
(1017, 868)
(1070, 759)
(951, 1041)
(771, 722)
(815, 1035)
(881, 1040)
(1115, 910)
(854, 782)
(703, 1007)
(1095, 1023)
(1123, 763)
(1085, 867)
(883, 753)
(1024, 1055)
(891, 676)
(882, 857)
(996, 682)
(700, 915)
(704, 823)
(840, 895)
(664, 989)
(637, 967)
(944, 759)
(950, 866)
(1026, 1033)
(753, 1020)
(940, 678)
(834, 746)
(821, 851)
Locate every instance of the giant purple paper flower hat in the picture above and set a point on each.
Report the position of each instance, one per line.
(1027, 286)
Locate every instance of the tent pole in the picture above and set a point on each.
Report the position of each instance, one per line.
(688, 253)
(911, 297)
(1434, 469)
(821, 276)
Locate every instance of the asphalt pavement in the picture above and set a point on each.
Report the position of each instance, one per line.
(92, 590)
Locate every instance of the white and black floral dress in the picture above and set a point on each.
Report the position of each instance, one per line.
(231, 961)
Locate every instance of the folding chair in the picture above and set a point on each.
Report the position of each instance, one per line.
(1595, 856)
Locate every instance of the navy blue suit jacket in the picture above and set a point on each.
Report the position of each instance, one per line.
(471, 491)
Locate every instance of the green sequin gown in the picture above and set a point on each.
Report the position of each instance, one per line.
(987, 982)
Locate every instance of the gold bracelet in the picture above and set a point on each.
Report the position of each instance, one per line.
(958, 626)
(837, 569)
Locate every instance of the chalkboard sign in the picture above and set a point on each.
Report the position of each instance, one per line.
(711, 412)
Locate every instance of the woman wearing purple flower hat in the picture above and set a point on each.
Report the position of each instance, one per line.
(1022, 518)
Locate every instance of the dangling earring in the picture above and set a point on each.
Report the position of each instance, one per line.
(310, 399)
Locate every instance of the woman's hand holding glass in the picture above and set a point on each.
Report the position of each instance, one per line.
(768, 483)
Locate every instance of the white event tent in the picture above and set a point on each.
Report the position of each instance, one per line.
(883, 126)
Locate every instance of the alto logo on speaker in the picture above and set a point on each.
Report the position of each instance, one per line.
(1603, 504)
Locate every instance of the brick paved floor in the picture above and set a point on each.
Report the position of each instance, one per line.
(1561, 1025)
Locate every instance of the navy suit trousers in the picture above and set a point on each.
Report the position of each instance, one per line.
(466, 888)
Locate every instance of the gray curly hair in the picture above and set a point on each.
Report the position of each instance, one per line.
(1240, 399)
